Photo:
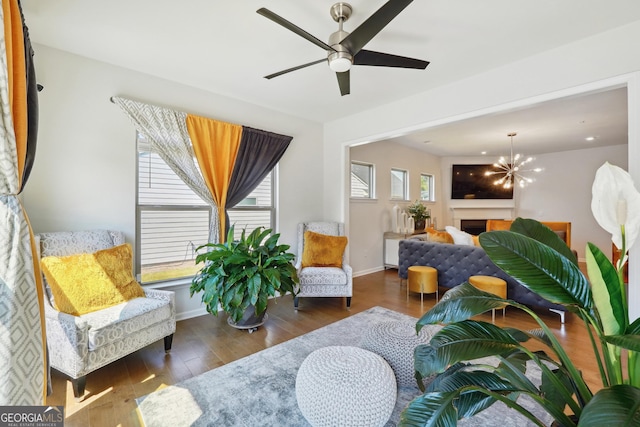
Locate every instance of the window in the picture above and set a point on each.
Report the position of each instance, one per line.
(362, 180)
(172, 221)
(426, 187)
(399, 188)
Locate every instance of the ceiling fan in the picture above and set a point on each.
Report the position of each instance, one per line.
(344, 49)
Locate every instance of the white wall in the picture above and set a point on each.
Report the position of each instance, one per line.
(369, 219)
(84, 172)
(572, 173)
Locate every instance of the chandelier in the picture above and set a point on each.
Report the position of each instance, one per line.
(511, 170)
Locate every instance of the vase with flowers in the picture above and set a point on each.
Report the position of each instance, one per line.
(540, 261)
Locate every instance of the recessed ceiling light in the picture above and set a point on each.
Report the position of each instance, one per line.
(590, 138)
(483, 153)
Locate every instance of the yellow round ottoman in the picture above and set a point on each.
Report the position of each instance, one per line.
(422, 279)
(492, 285)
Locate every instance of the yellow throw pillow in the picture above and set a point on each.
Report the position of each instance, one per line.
(476, 240)
(322, 250)
(84, 283)
(439, 236)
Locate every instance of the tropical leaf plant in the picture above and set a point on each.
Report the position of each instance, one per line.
(244, 272)
(540, 261)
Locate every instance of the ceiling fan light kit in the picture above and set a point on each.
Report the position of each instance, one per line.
(345, 49)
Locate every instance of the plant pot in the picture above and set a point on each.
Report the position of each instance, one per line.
(420, 225)
(250, 321)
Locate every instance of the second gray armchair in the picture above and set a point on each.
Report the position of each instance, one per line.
(323, 279)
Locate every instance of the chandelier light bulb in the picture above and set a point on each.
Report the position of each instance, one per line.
(512, 170)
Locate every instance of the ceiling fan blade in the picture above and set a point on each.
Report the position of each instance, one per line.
(372, 26)
(292, 27)
(288, 70)
(380, 59)
(344, 82)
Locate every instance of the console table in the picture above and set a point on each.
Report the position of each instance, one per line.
(390, 245)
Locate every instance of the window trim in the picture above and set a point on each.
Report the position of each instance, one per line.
(140, 208)
(372, 179)
(405, 182)
(432, 179)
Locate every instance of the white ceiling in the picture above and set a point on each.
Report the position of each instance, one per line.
(559, 125)
(227, 48)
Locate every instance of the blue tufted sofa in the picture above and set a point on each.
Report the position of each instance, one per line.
(455, 263)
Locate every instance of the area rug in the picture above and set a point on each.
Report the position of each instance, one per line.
(259, 390)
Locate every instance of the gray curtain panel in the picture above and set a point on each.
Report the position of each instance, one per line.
(258, 154)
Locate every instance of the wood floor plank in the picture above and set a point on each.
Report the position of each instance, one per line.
(206, 342)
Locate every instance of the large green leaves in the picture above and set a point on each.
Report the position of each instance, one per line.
(608, 291)
(538, 267)
(244, 272)
(614, 406)
(431, 410)
(461, 303)
(461, 341)
(543, 234)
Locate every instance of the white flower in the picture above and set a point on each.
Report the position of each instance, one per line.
(615, 204)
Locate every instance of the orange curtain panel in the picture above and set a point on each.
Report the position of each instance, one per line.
(22, 359)
(215, 145)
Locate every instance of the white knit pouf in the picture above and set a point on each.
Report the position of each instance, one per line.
(395, 342)
(345, 386)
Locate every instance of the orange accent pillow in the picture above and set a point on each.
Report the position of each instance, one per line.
(322, 250)
(439, 236)
(84, 283)
(476, 240)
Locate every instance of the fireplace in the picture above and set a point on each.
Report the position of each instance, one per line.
(476, 217)
(473, 226)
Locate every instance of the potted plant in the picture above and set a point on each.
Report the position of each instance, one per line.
(240, 275)
(541, 261)
(419, 213)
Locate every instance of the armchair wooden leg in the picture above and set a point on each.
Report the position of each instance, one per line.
(348, 302)
(296, 301)
(79, 385)
(168, 340)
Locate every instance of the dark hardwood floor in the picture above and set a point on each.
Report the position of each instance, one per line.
(206, 342)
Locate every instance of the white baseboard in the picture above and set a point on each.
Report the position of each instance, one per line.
(192, 313)
(368, 271)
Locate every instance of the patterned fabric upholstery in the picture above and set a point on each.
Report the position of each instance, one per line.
(80, 345)
(323, 281)
(456, 263)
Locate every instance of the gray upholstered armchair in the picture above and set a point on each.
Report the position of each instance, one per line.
(323, 281)
(81, 344)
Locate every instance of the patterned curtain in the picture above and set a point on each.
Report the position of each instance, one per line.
(167, 133)
(22, 342)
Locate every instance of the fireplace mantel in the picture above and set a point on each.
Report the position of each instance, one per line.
(481, 213)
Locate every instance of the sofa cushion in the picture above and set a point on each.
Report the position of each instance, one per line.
(322, 276)
(322, 250)
(435, 236)
(83, 283)
(116, 322)
(460, 237)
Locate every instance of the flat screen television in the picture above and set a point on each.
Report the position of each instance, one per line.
(470, 182)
